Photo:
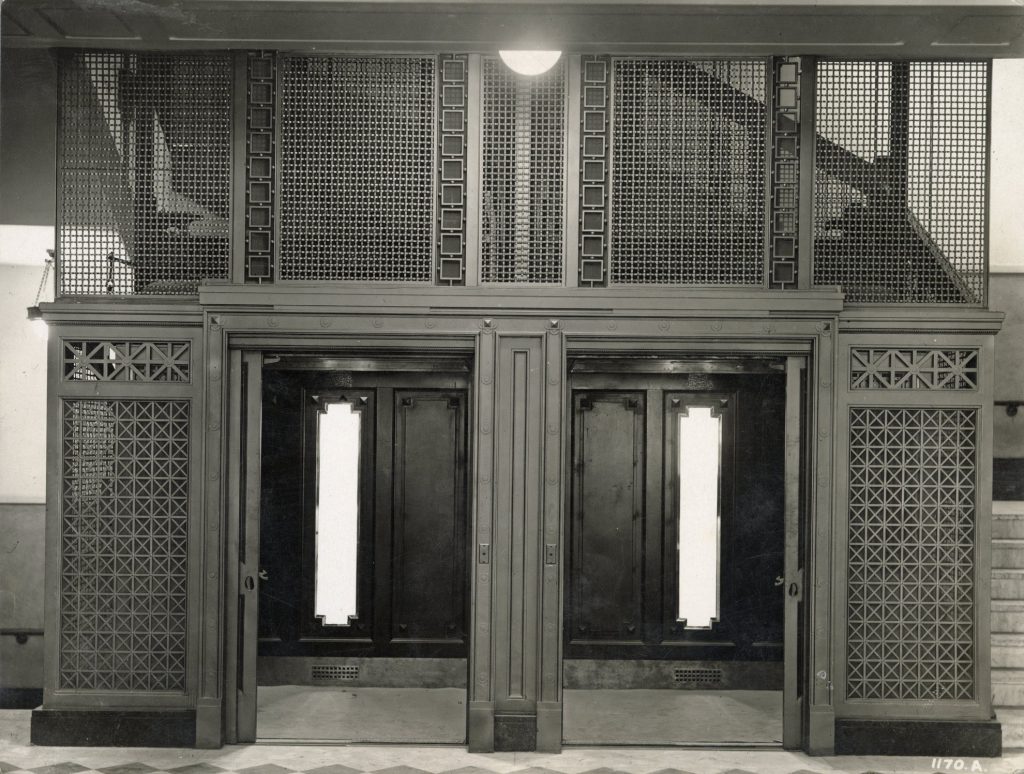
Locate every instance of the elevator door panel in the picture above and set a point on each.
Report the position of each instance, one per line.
(428, 539)
(607, 577)
(613, 550)
(410, 568)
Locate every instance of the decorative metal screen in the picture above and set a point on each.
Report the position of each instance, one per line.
(144, 151)
(913, 369)
(127, 361)
(688, 172)
(124, 544)
(910, 612)
(901, 168)
(357, 168)
(523, 175)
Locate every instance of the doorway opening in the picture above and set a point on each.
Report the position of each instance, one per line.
(363, 525)
(680, 552)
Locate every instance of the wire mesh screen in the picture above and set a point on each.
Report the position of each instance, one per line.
(357, 163)
(144, 172)
(901, 165)
(688, 167)
(523, 174)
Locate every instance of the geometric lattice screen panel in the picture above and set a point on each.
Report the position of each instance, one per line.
(523, 175)
(900, 180)
(357, 168)
(688, 171)
(143, 164)
(127, 361)
(913, 369)
(910, 609)
(124, 541)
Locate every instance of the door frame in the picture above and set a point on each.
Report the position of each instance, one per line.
(537, 335)
(795, 479)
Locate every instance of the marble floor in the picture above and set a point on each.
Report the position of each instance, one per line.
(17, 755)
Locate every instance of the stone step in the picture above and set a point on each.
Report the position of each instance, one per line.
(1007, 525)
(1012, 721)
(1007, 616)
(1008, 650)
(1008, 554)
(1008, 584)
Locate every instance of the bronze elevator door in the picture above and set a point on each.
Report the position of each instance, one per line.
(410, 574)
(624, 528)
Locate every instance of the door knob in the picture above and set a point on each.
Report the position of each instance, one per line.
(249, 583)
(794, 589)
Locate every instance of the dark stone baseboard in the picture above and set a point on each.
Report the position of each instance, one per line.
(515, 733)
(1007, 478)
(930, 738)
(20, 698)
(114, 728)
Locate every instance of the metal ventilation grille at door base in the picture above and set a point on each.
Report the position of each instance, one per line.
(334, 673)
(697, 677)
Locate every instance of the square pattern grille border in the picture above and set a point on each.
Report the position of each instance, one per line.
(144, 172)
(911, 543)
(124, 544)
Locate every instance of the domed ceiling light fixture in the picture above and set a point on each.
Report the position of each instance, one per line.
(528, 62)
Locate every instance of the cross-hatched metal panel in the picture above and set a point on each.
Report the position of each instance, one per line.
(522, 183)
(144, 168)
(357, 168)
(124, 544)
(913, 369)
(901, 165)
(127, 361)
(688, 172)
(910, 607)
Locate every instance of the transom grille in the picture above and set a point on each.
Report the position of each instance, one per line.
(144, 172)
(522, 186)
(900, 180)
(911, 554)
(124, 544)
(688, 166)
(357, 161)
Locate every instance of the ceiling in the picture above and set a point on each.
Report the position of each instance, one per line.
(863, 28)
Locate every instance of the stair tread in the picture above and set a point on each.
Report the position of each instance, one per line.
(1007, 605)
(1007, 676)
(1007, 640)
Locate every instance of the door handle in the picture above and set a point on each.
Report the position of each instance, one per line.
(779, 580)
(794, 589)
(249, 583)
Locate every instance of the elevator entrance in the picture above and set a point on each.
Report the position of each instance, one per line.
(675, 624)
(362, 617)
